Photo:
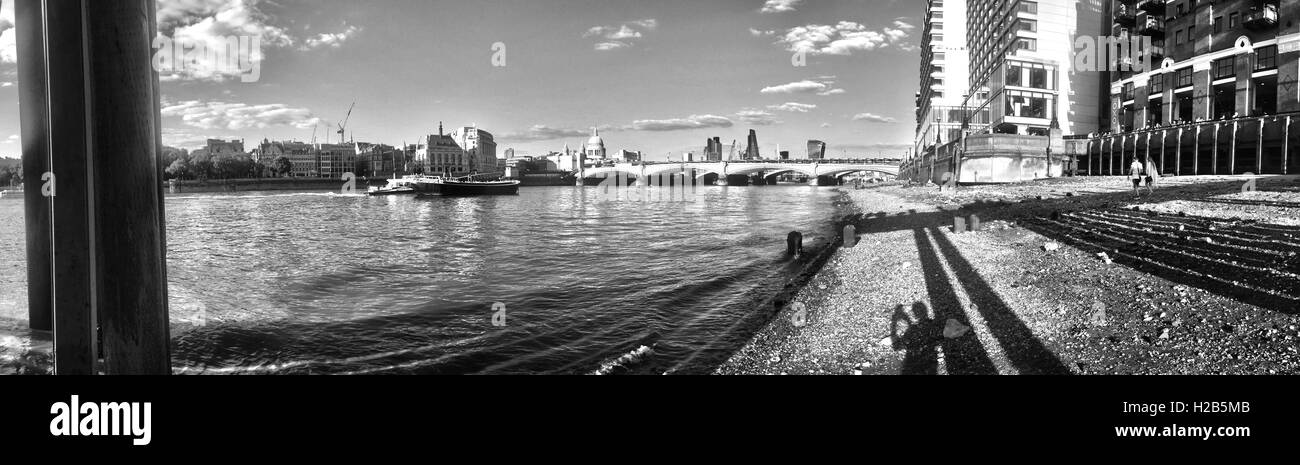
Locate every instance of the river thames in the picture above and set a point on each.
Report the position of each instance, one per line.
(324, 283)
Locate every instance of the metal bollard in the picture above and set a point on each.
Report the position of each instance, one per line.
(850, 236)
(974, 225)
(958, 225)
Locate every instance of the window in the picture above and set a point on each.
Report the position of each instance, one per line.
(936, 38)
(1156, 85)
(1191, 34)
(1183, 77)
(1027, 7)
(1181, 9)
(1233, 19)
(1225, 67)
(1266, 58)
(1218, 25)
(1027, 44)
(1178, 37)
(939, 56)
(1038, 79)
(1128, 91)
(1027, 25)
(1014, 76)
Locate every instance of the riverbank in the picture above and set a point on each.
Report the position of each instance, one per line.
(1202, 279)
(265, 184)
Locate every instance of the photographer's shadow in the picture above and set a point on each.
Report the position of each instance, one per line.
(920, 339)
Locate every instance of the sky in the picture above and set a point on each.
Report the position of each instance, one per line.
(658, 76)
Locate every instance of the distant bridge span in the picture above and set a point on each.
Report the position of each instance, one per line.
(811, 168)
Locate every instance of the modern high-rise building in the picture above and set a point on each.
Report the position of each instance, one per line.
(816, 150)
(713, 149)
(945, 74)
(751, 146)
(1022, 65)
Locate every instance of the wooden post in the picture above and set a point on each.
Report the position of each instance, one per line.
(131, 241)
(37, 208)
(95, 115)
(54, 41)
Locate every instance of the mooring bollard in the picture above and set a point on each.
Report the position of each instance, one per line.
(794, 243)
(974, 223)
(958, 225)
(850, 236)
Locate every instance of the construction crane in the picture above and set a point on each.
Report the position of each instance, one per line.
(343, 126)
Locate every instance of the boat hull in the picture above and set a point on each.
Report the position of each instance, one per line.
(453, 189)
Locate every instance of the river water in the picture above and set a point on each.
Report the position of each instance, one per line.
(554, 280)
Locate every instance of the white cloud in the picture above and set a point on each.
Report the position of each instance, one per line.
(680, 124)
(780, 6)
(826, 125)
(621, 36)
(758, 33)
(607, 46)
(541, 132)
(8, 50)
(793, 107)
(756, 117)
(801, 87)
(329, 40)
(214, 115)
(14, 139)
(823, 86)
(845, 38)
(873, 118)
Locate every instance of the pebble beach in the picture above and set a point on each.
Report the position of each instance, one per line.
(1064, 276)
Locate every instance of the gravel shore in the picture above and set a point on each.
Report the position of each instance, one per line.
(1199, 278)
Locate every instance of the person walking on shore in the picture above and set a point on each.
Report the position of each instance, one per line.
(1136, 174)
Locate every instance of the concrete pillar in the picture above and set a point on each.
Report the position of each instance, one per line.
(1164, 135)
(1245, 99)
(1232, 158)
(1202, 92)
(1286, 144)
(1259, 149)
(1196, 152)
(1178, 154)
(1214, 151)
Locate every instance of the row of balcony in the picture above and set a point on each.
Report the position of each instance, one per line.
(1148, 16)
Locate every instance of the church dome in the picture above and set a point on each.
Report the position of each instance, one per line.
(595, 140)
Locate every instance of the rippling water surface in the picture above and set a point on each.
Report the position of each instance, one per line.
(323, 283)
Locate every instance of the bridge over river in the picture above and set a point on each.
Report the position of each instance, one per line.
(649, 172)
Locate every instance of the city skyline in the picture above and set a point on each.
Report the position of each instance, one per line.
(658, 78)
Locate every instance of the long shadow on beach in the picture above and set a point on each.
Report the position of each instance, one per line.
(1018, 342)
(962, 356)
(1251, 262)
